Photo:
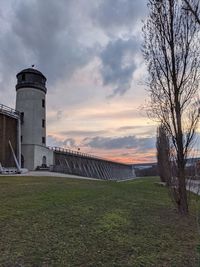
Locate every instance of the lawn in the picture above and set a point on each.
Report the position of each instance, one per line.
(69, 222)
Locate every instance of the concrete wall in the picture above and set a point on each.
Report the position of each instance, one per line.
(91, 167)
(28, 155)
(29, 101)
(8, 131)
(40, 152)
(33, 156)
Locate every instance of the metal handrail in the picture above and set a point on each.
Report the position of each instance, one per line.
(73, 152)
(10, 111)
(77, 153)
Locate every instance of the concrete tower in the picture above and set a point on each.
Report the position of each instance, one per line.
(31, 102)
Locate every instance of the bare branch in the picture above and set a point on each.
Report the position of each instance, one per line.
(193, 8)
(172, 53)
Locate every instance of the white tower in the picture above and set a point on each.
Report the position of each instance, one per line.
(31, 102)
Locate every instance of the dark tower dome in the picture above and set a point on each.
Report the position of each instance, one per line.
(31, 78)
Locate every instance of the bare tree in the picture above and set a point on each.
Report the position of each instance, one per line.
(193, 6)
(163, 155)
(171, 51)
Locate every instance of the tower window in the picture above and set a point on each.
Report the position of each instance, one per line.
(21, 138)
(22, 117)
(43, 140)
(43, 123)
(43, 103)
(23, 77)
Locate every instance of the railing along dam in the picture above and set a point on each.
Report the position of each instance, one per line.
(77, 163)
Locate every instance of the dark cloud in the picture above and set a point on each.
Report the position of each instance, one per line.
(60, 38)
(119, 18)
(47, 30)
(56, 37)
(44, 33)
(112, 14)
(130, 142)
(118, 64)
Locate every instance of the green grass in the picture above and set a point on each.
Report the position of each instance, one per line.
(64, 222)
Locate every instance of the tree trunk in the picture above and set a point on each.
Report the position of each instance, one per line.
(183, 202)
(172, 52)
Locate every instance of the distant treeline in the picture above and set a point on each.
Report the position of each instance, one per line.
(192, 169)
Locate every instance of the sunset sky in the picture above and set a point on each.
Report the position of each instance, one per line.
(90, 52)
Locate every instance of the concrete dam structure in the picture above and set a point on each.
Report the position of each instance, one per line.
(72, 162)
(23, 137)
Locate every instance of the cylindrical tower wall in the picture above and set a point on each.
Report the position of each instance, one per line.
(31, 103)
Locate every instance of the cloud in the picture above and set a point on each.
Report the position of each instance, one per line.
(59, 42)
(59, 114)
(54, 141)
(126, 142)
(124, 149)
(87, 50)
(82, 133)
(69, 143)
(117, 114)
(44, 33)
(139, 130)
(126, 128)
(47, 30)
(114, 14)
(55, 116)
(118, 64)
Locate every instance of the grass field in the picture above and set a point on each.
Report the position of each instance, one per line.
(64, 222)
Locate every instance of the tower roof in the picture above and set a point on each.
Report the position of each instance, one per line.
(31, 78)
(31, 70)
